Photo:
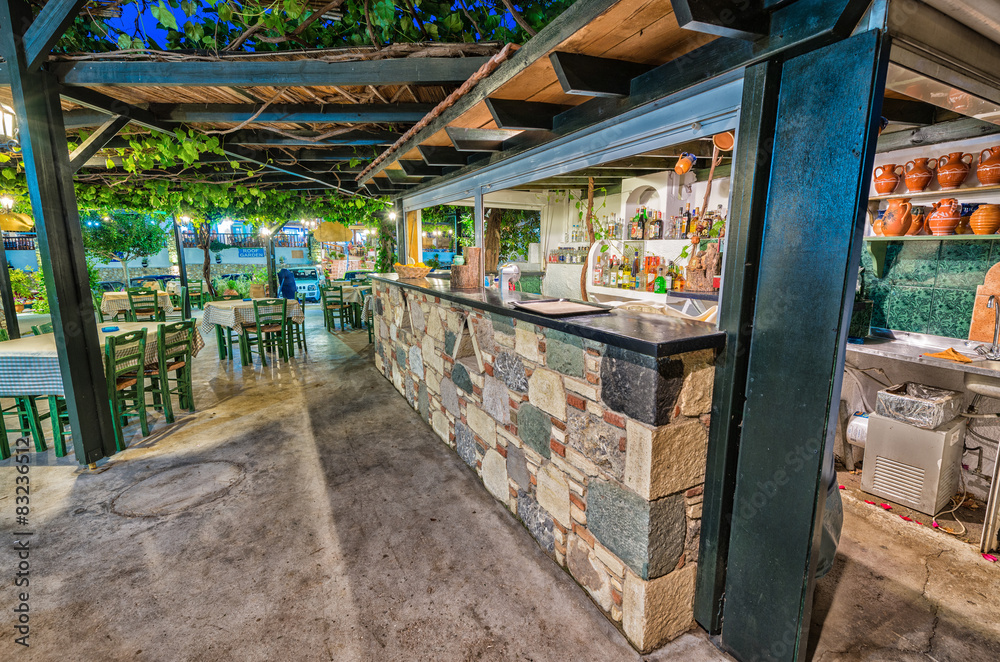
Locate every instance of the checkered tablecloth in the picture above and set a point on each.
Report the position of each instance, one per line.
(237, 314)
(113, 303)
(30, 365)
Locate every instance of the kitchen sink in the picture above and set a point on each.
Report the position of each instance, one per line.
(983, 385)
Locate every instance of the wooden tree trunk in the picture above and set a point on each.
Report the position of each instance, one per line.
(491, 239)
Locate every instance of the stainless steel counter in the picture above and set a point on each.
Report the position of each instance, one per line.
(905, 346)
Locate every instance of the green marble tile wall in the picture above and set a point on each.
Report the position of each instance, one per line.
(929, 286)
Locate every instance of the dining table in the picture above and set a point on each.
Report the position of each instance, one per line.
(354, 295)
(113, 303)
(235, 314)
(30, 365)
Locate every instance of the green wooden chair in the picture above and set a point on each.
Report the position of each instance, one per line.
(224, 336)
(144, 305)
(268, 330)
(124, 355)
(172, 373)
(368, 308)
(28, 423)
(334, 307)
(177, 301)
(197, 293)
(42, 329)
(61, 432)
(296, 330)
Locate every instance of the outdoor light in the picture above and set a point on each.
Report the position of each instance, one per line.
(392, 216)
(265, 231)
(106, 219)
(185, 219)
(7, 203)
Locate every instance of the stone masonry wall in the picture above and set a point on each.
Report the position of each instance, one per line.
(600, 452)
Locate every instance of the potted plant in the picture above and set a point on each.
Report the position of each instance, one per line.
(145, 262)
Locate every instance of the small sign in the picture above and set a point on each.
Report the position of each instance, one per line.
(298, 254)
(251, 252)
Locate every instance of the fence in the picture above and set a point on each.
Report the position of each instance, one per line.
(231, 240)
(19, 242)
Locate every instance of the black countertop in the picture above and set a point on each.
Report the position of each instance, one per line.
(653, 335)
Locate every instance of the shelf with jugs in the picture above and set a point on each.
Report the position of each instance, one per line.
(948, 216)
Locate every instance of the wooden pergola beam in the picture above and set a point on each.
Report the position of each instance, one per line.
(47, 28)
(326, 113)
(302, 73)
(96, 142)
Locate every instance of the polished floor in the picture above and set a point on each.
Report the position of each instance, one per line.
(305, 513)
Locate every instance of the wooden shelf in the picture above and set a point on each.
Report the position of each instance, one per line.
(924, 195)
(877, 246)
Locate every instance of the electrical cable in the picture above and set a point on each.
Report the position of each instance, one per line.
(965, 495)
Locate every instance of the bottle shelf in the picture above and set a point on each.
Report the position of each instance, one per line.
(939, 194)
(877, 246)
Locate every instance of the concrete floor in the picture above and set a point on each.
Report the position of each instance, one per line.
(305, 513)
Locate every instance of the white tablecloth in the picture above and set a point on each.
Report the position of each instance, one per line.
(30, 365)
(113, 303)
(237, 314)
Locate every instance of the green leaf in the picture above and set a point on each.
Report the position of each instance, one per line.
(166, 17)
(109, 163)
(124, 41)
(8, 173)
(225, 12)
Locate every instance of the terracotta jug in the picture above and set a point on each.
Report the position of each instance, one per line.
(988, 171)
(945, 217)
(919, 216)
(886, 178)
(952, 170)
(897, 219)
(918, 174)
(986, 219)
(877, 228)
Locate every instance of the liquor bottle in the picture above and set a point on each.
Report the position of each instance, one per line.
(660, 282)
(596, 280)
(625, 275)
(683, 218)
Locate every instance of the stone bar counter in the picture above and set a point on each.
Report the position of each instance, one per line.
(591, 430)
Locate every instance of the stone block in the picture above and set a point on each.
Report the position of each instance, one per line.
(564, 353)
(598, 441)
(440, 424)
(658, 611)
(510, 369)
(484, 334)
(648, 536)
(449, 397)
(449, 342)
(587, 570)
(537, 521)
(416, 362)
(455, 320)
(417, 319)
(610, 561)
(526, 342)
(433, 379)
(494, 470)
(535, 429)
(482, 424)
(460, 375)
(517, 467)
(423, 402)
(502, 324)
(434, 327)
(411, 391)
(465, 444)
(496, 400)
(640, 386)
(553, 493)
(545, 391)
(696, 394)
(581, 388)
(431, 357)
(401, 358)
(665, 460)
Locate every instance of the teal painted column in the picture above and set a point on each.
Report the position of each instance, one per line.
(828, 105)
